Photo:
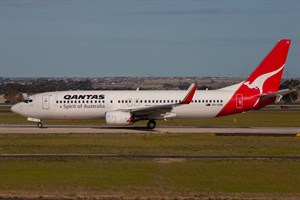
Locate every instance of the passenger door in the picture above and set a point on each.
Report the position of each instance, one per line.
(239, 101)
(46, 102)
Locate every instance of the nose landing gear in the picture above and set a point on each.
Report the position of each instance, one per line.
(40, 125)
(39, 122)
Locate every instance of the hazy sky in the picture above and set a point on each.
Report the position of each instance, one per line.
(144, 37)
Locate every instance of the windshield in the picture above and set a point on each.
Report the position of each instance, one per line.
(27, 100)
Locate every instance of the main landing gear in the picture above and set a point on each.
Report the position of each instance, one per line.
(151, 124)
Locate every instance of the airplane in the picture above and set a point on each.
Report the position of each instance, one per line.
(126, 107)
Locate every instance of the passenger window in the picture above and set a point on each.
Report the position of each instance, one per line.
(111, 101)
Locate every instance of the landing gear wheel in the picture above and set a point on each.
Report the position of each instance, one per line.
(40, 125)
(151, 124)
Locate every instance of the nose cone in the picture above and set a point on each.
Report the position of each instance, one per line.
(16, 108)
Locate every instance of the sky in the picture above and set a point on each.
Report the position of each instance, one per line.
(84, 38)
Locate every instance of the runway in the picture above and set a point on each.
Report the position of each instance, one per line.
(144, 156)
(220, 131)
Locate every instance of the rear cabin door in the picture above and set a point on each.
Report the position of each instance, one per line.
(46, 102)
(239, 101)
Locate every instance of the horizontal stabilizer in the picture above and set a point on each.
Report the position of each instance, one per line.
(278, 94)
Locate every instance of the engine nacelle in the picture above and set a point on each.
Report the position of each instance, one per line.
(118, 118)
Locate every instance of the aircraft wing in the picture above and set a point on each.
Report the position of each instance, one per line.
(163, 111)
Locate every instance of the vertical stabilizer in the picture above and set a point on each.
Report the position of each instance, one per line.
(267, 76)
(264, 79)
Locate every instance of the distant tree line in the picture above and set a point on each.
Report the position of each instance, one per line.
(13, 91)
(293, 84)
(184, 86)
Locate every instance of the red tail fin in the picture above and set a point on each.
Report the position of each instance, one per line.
(265, 79)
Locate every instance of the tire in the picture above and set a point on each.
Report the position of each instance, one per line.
(151, 124)
(40, 125)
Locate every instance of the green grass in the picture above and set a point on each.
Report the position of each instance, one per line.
(136, 143)
(142, 178)
(254, 118)
(149, 177)
(136, 178)
(5, 108)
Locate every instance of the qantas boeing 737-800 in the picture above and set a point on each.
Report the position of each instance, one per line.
(126, 107)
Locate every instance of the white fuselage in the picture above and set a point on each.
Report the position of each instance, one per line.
(94, 104)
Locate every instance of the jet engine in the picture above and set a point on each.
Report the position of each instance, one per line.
(118, 118)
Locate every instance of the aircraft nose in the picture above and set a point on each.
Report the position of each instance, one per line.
(16, 108)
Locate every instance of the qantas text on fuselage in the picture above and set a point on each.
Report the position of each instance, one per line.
(127, 107)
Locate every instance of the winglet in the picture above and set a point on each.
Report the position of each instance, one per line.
(189, 97)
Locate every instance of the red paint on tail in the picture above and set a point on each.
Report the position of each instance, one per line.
(265, 79)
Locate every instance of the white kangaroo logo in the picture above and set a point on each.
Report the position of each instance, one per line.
(259, 82)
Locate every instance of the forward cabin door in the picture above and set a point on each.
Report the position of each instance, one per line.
(46, 102)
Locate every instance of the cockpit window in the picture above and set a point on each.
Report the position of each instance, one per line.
(27, 100)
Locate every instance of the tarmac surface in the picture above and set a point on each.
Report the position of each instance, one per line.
(219, 131)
